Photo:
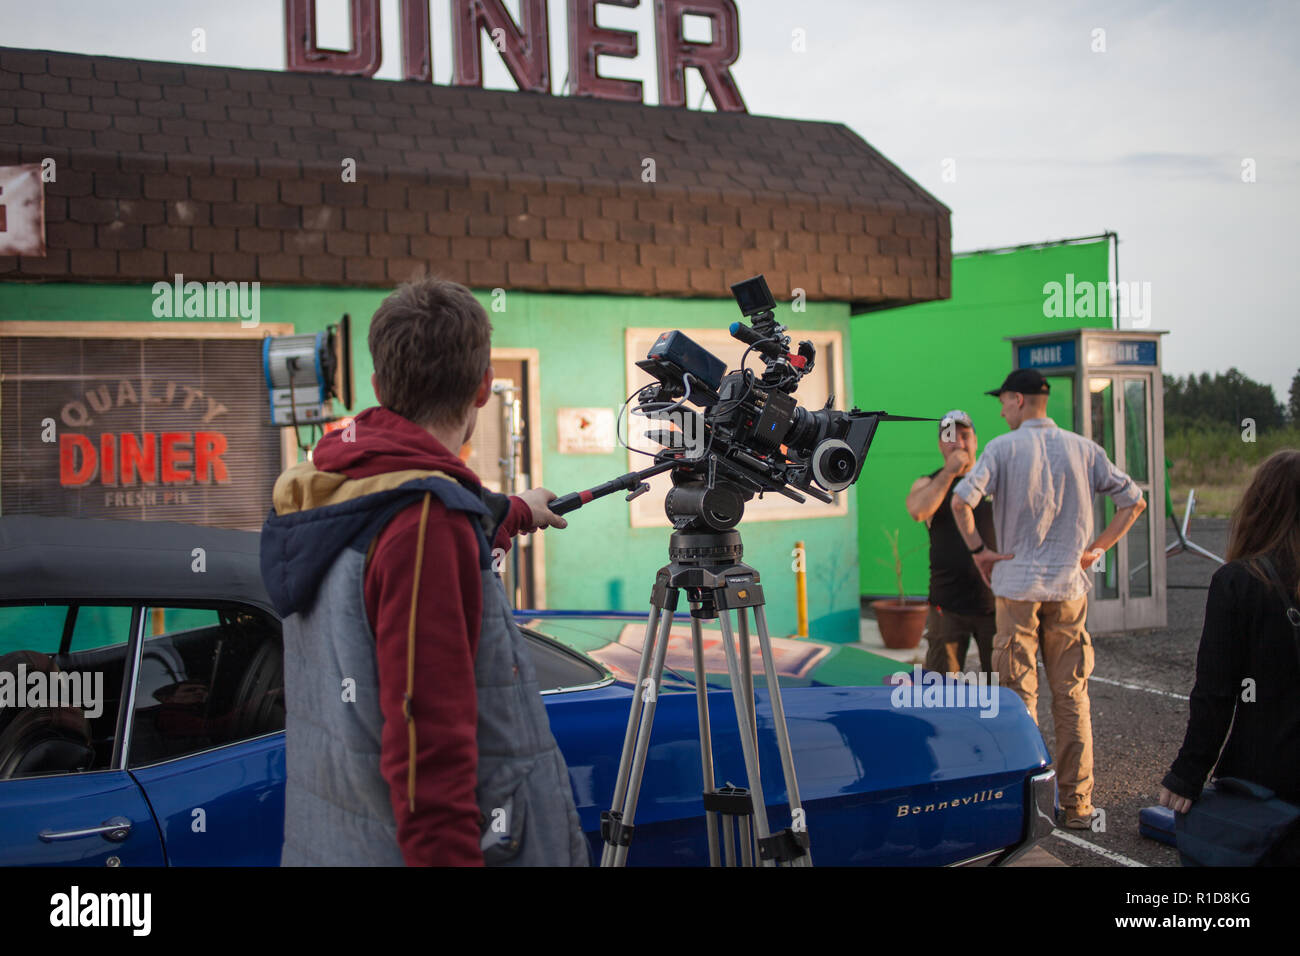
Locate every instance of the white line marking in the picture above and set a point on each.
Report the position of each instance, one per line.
(1111, 855)
(1127, 686)
(1149, 690)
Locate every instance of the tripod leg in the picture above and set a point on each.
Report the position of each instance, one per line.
(1196, 548)
(728, 841)
(633, 721)
(649, 691)
(706, 735)
(782, 734)
(747, 672)
(747, 734)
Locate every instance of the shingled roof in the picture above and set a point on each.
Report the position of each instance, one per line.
(233, 174)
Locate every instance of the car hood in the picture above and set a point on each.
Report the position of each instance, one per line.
(614, 641)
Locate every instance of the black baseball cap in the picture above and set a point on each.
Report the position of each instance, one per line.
(1026, 381)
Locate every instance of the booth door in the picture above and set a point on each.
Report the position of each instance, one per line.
(1121, 420)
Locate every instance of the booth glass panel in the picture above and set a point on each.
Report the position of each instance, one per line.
(1102, 405)
(1139, 553)
(1060, 402)
(1136, 447)
(1106, 580)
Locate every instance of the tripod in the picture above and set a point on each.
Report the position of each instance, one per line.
(707, 566)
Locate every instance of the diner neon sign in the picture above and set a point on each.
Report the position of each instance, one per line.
(525, 46)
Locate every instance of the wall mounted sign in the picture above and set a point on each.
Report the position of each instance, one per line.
(22, 211)
(1111, 352)
(525, 46)
(585, 431)
(138, 428)
(1059, 354)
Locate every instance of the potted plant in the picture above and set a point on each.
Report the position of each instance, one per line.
(901, 621)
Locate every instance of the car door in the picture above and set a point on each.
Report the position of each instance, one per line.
(88, 819)
(65, 797)
(207, 734)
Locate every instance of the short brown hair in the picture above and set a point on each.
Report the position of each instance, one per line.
(431, 342)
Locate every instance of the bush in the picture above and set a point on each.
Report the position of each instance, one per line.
(1215, 461)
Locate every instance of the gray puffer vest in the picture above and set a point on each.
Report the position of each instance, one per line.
(337, 803)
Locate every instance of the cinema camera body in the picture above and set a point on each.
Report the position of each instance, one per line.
(756, 438)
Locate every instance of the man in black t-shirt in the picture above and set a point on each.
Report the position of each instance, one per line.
(961, 604)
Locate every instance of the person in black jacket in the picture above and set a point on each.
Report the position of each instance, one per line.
(1248, 663)
(961, 604)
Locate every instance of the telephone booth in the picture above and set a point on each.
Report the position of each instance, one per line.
(1107, 386)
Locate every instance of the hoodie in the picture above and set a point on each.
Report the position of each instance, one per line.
(346, 492)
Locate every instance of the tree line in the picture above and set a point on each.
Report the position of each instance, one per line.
(1225, 399)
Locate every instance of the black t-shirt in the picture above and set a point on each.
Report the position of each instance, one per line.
(955, 582)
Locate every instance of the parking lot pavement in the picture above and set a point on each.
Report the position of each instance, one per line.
(1139, 694)
(1039, 856)
(1138, 691)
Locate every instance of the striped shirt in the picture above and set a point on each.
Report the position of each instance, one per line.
(1043, 480)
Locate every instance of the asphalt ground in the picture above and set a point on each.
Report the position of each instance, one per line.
(1138, 690)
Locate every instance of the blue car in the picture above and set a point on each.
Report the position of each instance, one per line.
(142, 721)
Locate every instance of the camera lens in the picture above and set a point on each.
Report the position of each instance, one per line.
(834, 464)
(803, 430)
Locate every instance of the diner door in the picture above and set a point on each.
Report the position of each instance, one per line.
(1121, 420)
(499, 451)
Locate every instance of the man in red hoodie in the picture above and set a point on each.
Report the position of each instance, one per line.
(407, 736)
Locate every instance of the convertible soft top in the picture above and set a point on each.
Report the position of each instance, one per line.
(84, 559)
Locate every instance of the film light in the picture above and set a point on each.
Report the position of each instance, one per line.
(304, 372)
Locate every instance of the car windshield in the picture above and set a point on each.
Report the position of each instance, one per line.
(557, 666)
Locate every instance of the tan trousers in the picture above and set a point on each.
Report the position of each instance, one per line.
(1068, 658)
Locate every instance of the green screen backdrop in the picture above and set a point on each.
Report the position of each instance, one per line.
(926, 359)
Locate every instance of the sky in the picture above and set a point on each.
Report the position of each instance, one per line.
(1032, 121)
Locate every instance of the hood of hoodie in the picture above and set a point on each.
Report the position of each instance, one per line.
(357, 479)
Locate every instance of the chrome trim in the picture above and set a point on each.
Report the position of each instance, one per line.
(983, 859)
(563, 648)
(1040, 800)
(55, 776)
(210, 750)
(596, 685)
(122, 745)
(115, 829)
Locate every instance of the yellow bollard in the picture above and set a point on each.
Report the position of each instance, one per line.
(801, 589)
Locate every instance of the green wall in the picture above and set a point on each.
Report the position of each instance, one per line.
(926, 359)
(600, 561)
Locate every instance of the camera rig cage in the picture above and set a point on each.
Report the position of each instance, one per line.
(756, 436)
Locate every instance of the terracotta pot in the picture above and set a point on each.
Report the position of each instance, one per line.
(901, 622)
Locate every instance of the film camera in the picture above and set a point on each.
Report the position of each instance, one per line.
(752, 437)
(756, 438)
